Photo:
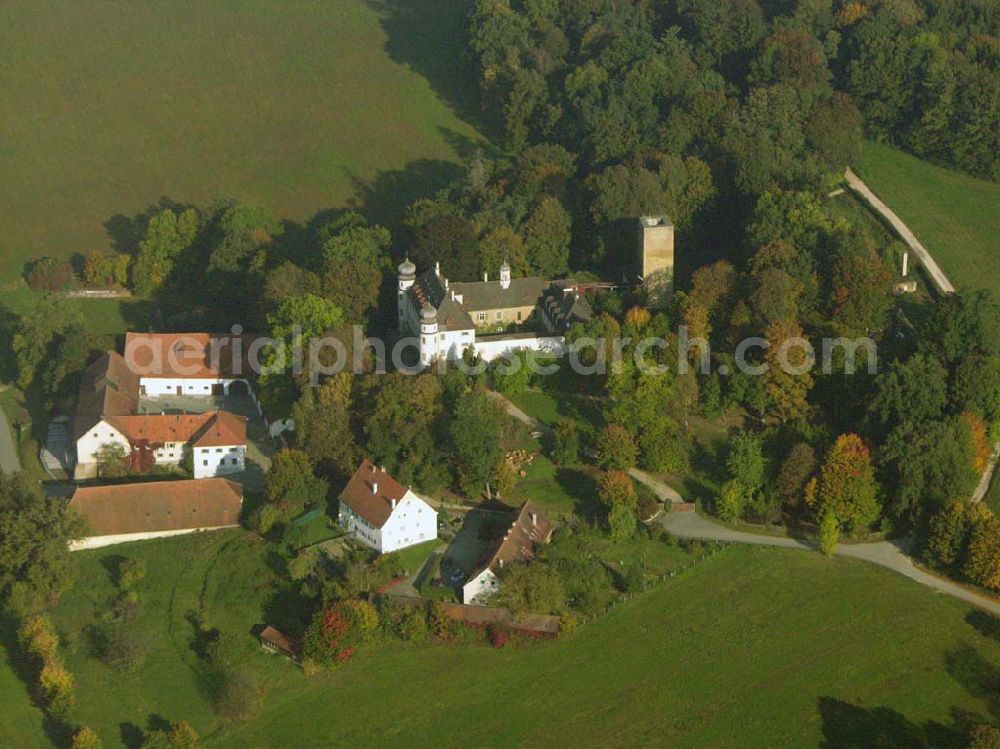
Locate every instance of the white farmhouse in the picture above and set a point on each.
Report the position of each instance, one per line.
(106, 414)
(382, 513)
(198, 364)
(530, 529)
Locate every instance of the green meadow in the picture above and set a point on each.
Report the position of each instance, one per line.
(108, 107)
(753, 647)
(955, 216)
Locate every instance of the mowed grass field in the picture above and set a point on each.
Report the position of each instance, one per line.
(753, 647)
(300, 107)
(955, 216)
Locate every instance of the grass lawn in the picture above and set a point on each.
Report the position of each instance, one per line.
(773, 648)
(954, 215)
(413, 557)
(16, 407)
(320, 528)
(109, 107)
(549, 407)
(558, 490)
(992, 498)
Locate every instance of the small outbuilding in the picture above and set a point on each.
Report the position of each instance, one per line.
(274, 640)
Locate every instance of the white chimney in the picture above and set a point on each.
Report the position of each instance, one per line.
(906, 262)
(375, 487)
(534, 518)
(393, 503)
(486, 277)
(446, 284)
(437, 268)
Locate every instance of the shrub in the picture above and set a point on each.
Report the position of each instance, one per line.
(621, 521)
(616, 488)
(85, 738)
(982, 563)
(646, 507)
(829, 532)
(241, 695)
(731, 501)
(616, 450)
(566, 442)
(103, 269)
(56, 683)
(498, 635)
(121, 649)
(131, 572)
(51, 274)
(38, 637)
(984, 736)
(412, 626)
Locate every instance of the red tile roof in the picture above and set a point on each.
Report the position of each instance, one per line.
(223, 429)
(371, 492)
(210, 429)
(187, 355)
(530, 529)
(159, 506)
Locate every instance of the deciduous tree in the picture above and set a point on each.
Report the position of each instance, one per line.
(847, 484)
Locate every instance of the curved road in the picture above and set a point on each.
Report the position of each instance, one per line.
(906, 234)
(883, 553)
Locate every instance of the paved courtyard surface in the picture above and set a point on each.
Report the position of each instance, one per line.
(260, 446)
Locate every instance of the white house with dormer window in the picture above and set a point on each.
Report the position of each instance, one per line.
(383, 514)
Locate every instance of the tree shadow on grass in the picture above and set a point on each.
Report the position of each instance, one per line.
(8, 328)
(112, 564)
(433, 45)
(847, 726)
(384, 199)
(986, 624)
(131, 735)
(582, 487)
(979, 677)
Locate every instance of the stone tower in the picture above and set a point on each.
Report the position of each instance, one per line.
(428, 334)
(656, 258)
(407, 276)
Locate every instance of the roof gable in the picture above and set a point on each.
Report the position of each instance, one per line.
(188, 355)
(530, 529)
(372, 493)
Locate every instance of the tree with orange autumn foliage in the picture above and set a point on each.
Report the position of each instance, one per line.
(847, 485)
(787, 381)
(980, 441)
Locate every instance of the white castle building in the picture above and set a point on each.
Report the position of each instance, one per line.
(489, 317)
(493, 317)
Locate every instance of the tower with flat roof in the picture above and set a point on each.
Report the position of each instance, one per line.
(656, 258)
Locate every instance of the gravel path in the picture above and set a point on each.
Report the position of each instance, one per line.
(906, 234)
(886, 554)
